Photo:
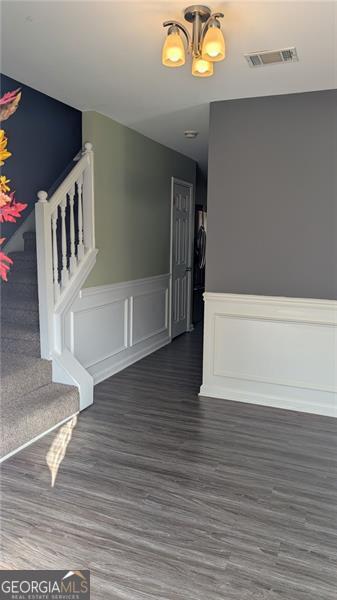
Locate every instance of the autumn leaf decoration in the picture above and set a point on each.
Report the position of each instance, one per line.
(10, 209)
(5, 263)
(9, 103)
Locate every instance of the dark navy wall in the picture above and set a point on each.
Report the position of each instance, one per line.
(44, 135)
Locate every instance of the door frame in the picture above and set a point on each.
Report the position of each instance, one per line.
(190, 185)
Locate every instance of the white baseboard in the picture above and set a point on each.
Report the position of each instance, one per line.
(111, 327)
(279, 352)
(102, 371)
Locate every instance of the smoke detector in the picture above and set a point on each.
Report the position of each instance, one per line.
(190, 133)
(271, 57)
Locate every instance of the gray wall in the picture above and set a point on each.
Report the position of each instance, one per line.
(272, 195)
(132, 200)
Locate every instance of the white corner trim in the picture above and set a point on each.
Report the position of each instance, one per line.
(115, 287)
(66, 368)
(252, 298)
(276, 307)
(77, 280)
(269, 350)
(124, 323)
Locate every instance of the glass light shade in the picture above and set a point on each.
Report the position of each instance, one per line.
(213, 46)
(202, 67)
(173, 51)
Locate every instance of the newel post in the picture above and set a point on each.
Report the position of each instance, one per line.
(88, 199)
(44, 273)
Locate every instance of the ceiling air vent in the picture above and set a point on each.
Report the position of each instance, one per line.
(271, 57)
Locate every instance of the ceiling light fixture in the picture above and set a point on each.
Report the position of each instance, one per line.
(206, 44)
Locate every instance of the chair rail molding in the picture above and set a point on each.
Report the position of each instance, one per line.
(66, 253)
(275, 351)
(123, 321)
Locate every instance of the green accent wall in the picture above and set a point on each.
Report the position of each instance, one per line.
(132, 200)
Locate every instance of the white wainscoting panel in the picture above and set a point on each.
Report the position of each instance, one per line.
(278, 352)
(113, 326)
(101, 344)
(142, 305)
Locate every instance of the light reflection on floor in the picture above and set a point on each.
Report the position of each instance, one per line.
(58, 448)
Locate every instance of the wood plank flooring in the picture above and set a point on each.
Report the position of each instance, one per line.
(165, 496)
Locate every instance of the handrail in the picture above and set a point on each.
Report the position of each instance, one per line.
(66, 184)
(65, 235)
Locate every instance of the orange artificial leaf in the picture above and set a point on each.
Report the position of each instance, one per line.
(9, 97)
(5, 199)
(11, 212)
(5, 265)
(9, 103)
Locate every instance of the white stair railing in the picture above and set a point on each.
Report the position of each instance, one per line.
(68, 213)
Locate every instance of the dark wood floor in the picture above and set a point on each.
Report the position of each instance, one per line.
(165, 496)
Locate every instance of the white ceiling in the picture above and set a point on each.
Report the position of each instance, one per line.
(106, 56)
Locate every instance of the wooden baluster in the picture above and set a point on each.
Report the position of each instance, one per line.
(80, 246)
(73, 260)
(55, 256)
(64, 272)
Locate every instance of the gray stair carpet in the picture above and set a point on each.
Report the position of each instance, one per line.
(30, 403)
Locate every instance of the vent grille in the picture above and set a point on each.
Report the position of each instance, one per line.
(271, 57)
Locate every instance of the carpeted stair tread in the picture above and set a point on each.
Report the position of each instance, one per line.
(22, 346)
(12, 314)
(20, 266)
(22, 270)
(29, 235)
(18, 332)
(19, 288)
(21, 312)
(29, 239)
(23, 256)
(30, 403)
(21, 277)
(22, 374)
(32, 414)
(20, 303)
(23, 339)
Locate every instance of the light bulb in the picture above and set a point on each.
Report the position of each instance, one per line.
(202, 67)
(173, 50)
(213, 46)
